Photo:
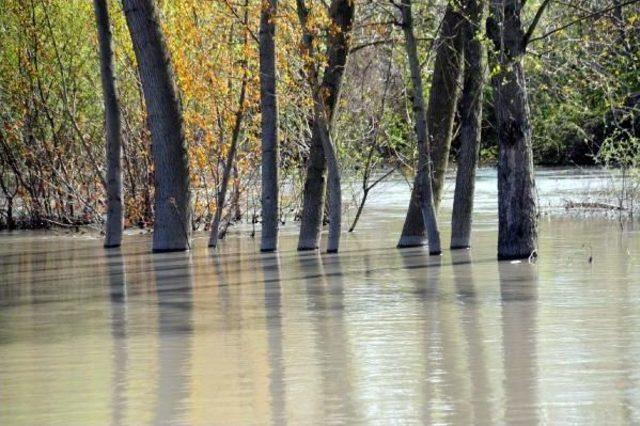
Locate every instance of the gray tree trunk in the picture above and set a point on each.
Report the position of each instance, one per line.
(444, 94)
(322, 119)
(517, 210)
(470, 125)
(341, 13)
(269, 106)
(313, 194)
(422, 185)
(443, 98)
(335, 190)
(113, 128)
(172, 226)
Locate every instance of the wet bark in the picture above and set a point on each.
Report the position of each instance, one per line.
(313, 195)
(269, 107)
(470, 125)
(335, 190)
(113, 128)
(443, 98)
(322, 115)
(341, 13)
(422, 186)
(517, 209)
(172, 225)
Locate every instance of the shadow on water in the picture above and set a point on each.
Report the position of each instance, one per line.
(270, 265)
(456, 386)
(223, 289)
(519, 299)
(174, 291)
(324, 290)
(374, 335)
(118, 300)
(426, 288)
(467, 297)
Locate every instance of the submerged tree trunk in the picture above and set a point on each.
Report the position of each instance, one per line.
(422, 185)
(313, 194)
(443, 98)
(269, 106)
(335, 190)
(113, 128)
(341, 13)
(517, 210)
(172, 226)
(228, 167)
(470, 125)
(321, 114)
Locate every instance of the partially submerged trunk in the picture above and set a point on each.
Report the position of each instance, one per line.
(422, 186)
(443, 98)
(228, 167)
(517, 209)
(470, 125)
(322, 118)
(269, 108)
(335, 190)
(172, 226)
(341, 13)
(113, 128)
(313, 194)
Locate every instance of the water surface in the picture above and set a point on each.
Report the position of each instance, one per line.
(373, 335)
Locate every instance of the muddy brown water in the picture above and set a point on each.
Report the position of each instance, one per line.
(372, 335)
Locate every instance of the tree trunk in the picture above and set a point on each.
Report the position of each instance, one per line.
(235, 136)
(113, 127)
(517, 210)
(10, 222)
(335, 190)
(422, 186)
(444, 94)
(228, 166)
(172, 225)
(269, 106)
(443, 98)
(313, 194)
(341, 13)
(321, 114)
(470, 125)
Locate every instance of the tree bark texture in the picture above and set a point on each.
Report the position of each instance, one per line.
(269, 108)
(517, 209)
(322, 119)
(422, 185)
(443, 98)
(444, 94)
(172, 226)
(470, 125)
(335, 190)
(342, 14)
(113, 128)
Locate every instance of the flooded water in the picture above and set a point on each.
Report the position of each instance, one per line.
(372, 335)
